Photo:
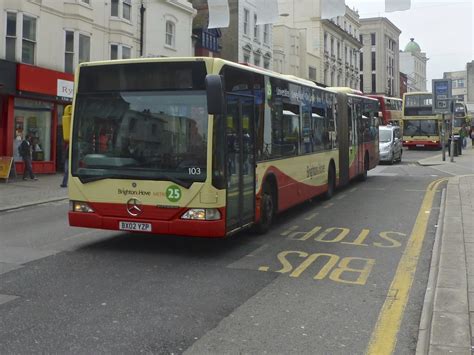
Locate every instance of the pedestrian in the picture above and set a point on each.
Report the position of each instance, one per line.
(471, 134)
(66, 165)
(26, 152)
(463, 135)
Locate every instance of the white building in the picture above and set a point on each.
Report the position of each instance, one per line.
(60, 34)
(328, 50)
(459, 84)
(379, 62)
(413, 63)
(244, 41)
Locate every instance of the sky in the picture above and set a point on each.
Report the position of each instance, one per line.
(444, 30)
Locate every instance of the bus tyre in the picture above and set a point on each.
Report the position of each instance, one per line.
(331, 183)
(267, 207)
(363, 176)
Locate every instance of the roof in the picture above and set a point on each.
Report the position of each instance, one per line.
(412, 46)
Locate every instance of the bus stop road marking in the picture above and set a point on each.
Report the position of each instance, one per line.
(311, 216)
(289, 230)
(384, 336)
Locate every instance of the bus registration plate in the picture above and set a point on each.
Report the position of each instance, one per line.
(134, 226)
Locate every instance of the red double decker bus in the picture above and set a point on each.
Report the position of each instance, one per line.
(391, 109)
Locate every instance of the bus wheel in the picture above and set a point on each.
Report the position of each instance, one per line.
(331, 183)
(363, 176)
(266, 210)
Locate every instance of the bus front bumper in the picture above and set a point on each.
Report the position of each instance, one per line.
(422, 144)
(181, 227)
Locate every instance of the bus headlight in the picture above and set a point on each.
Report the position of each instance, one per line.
(202, 214)
(78, 206)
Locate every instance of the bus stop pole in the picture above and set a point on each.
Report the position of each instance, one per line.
(443, 138)
(453, 146)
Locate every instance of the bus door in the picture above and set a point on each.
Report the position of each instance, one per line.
(359, 136)
(240, 160)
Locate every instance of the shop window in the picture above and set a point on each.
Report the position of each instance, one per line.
(33, 118)
(114, 51)
(10, 45)
(170, 33)
(84, 48)
(126, 52)
(29, 40)
(69, 53)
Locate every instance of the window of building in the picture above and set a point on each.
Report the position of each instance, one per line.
(255, 28)
(361, 61)
(29, 40)
(350, 59)
(312, 73)
(332, 46)
(246, 21)
(10, 45)
(256, 60)
(119, 51)
(114, 8)
(86, 2)
(373, 61)
(372, 39)
(247, 57)
(127, 9)
(374, 81)
(345, 54)
(69, 52)
(338, 50)
(126, 52)
(460, 83)
(361, 82)
(123, 7)
(266, 31)
(170, 34)
(266, 63)
(325, 42)
(361, 39)
(84, 48)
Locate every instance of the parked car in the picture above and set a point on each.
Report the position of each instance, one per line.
(390, 144)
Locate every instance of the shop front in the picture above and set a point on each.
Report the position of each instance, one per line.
(36, 110)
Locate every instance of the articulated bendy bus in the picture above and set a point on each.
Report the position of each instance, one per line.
(206, 147)
(421, 127)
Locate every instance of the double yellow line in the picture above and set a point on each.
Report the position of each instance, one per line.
(384, 336)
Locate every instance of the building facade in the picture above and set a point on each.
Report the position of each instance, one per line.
(459, 84)
(470, 89)
(328, 49)
(244, 41)
(413, 63)
(43, 41)
(379, 59)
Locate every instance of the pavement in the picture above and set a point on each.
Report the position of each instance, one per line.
(447, 321)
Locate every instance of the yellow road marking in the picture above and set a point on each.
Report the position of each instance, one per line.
(384, 336)
(311, 216)
(289, 230)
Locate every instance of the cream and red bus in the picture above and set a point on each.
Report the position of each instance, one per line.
(421, 127)
(206, 147)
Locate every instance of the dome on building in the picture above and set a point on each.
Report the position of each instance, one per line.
(412, 46)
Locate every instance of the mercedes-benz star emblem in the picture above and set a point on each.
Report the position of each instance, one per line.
(134, 207)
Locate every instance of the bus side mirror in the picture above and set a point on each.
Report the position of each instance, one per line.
(67, 122)
(215, 94)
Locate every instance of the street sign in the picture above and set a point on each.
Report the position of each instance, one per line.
(442, 94)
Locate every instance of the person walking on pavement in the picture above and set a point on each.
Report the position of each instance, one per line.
(471, 135)
(462, 136)
(66, 165)
(26, 151)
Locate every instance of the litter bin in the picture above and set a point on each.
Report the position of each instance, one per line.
(456, 149)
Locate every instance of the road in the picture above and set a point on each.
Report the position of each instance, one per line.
(317, 283)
